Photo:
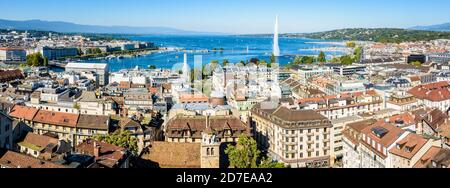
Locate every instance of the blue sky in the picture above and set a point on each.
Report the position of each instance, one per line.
(234, 16)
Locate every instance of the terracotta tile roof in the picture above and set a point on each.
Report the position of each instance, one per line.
(23, 112)
(409, 146)
(407, 118)
(435, 118)
(193, 98)
(439, 155)
(197, 124)
(438, 91)
(109, 156)
(356, 128)
(359, 126)
(16, 160)
(56, 118)
(297, 115)
(93, 122)
(174, 155)
(388, 139)
(40, 141)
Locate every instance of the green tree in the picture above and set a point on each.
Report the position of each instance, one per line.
(269, 163)
(225, 62)
(263, 62)
(79, 52)
(120, 138)
(322, 57)
(298, 60)
(416, 63)
(357, 54)
(240, 64)
(307, 60)
(35, 60)
(351, 44)
(273, 59)
(45, 64)
(246, 155)
(346, 60)
(152, 67)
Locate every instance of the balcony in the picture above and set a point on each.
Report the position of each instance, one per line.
(291, 143)
(310, 134)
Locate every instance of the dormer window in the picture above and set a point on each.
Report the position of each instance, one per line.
(408, 149)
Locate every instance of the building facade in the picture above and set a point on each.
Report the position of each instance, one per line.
(298, 138)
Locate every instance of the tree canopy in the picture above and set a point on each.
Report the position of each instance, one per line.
(246, 155)
(120, 138)
(36, 60)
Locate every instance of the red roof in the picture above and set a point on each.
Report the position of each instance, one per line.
(23, 112)
(56, 118)
(434, 92)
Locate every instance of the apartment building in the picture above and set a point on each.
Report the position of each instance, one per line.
(408, 151)
(344, 105)
(73, 128)
(434, 95)
(352, 136)
(298, 138)
(377, 141)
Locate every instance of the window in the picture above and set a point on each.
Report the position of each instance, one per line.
(317, 145)
(434, 163)
(317, 137)
(212, 151)
(317, 153)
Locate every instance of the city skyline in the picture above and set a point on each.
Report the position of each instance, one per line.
(237, 17)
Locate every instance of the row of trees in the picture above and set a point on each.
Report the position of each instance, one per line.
(349, 59)
(93, 51)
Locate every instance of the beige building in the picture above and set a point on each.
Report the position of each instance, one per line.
(36, 145)
(408, 151)
(337, 142)
(298, 138)
(352, 136)
(73, 128)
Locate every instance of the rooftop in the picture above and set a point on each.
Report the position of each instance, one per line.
(17, 160)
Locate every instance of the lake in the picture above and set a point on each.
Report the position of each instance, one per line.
(235, 49)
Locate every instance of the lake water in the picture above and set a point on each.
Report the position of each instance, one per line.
(235, 50)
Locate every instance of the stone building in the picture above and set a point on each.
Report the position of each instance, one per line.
(298, 138)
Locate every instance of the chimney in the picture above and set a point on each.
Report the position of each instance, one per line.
(96, 150)
(207, 121)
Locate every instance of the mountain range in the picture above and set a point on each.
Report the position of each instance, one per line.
(438, 27)
(67, 27)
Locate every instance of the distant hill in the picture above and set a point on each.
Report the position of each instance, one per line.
(67, 27)
(439, 27)
(386, 35)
